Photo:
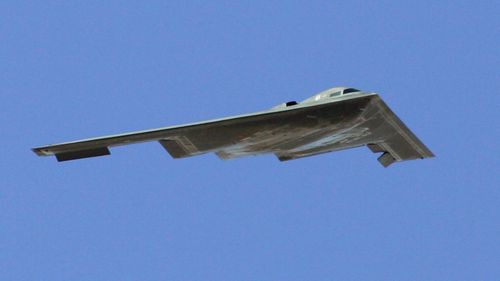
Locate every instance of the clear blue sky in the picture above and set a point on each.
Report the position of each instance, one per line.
(77, 69)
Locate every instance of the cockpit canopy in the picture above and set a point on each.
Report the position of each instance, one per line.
(332, 93)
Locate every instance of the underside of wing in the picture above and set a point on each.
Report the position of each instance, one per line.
(378, 128)
(290, 134)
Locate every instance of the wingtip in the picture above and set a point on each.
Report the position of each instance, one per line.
(40, 152)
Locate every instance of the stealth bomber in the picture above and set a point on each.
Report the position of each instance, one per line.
(336, 119)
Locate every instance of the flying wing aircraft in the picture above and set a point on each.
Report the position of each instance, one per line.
(335, 119)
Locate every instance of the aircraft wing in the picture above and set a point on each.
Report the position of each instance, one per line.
(290, 133)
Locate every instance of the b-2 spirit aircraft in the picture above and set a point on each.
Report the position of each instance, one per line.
(335, 119)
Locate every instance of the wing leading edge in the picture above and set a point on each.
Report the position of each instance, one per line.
(290, 133)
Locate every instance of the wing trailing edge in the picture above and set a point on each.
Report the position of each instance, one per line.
(79, 154)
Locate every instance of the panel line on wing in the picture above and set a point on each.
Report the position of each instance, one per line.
(386, 114)
(186, 144)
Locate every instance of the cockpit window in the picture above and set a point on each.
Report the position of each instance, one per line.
(336, 94)
(350, 90)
